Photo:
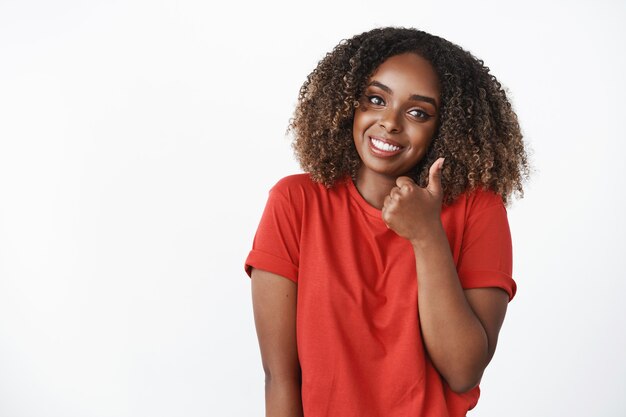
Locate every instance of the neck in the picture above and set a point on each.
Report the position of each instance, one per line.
(374, 187)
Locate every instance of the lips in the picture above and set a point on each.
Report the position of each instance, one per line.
(384, 147)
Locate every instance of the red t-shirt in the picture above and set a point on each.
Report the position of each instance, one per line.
(358, 335)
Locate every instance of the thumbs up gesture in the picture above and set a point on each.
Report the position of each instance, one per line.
(412, 211)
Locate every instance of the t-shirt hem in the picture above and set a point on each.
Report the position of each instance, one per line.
(270, 263)
(482, 279)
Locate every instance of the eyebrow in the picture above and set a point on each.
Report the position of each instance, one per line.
(414, 97)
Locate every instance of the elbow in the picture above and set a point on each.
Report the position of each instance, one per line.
(464, 374)
(462, 382)
(461, 387)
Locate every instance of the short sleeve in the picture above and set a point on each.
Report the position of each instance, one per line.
(276, 242)
(486, 257)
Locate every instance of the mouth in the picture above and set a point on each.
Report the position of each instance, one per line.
(384, 147)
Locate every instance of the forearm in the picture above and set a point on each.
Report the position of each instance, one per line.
(283, 398)
(454, 336)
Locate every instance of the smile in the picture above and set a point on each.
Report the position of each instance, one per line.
(383, 148)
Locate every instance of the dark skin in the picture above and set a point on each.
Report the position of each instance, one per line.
(393, 127)
(274, 304)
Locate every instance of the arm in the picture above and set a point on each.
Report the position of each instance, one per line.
(460, 328)
(274, 304)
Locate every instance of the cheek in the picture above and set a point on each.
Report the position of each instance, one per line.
(423, 134)
(359, 123)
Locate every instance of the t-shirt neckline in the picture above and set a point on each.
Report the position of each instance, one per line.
(367, 207)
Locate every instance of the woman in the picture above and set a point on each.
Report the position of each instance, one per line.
(381, 276)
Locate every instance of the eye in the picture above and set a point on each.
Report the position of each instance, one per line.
(419, 114)
(376, 100)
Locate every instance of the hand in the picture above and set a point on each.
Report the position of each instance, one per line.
(412, 211)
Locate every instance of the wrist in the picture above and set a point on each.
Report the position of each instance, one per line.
(428, 235)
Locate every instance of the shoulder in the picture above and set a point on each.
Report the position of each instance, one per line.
(481, 199)
(295, 181)
(301, 192)
(294, 190)
(297, 186)
(476, 201)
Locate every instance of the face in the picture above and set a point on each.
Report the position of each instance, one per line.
(397, 116)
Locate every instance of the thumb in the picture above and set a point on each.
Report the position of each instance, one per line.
(434, 177)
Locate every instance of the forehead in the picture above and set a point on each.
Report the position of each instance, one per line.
(408, 74)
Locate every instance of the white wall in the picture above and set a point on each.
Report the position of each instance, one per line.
(137, 144)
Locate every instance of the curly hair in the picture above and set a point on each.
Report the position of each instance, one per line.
(478, 132)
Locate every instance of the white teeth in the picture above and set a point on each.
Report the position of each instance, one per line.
(383, 146)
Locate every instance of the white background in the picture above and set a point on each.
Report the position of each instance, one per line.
(138, 141)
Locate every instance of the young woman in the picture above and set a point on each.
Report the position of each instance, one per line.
(381, 276)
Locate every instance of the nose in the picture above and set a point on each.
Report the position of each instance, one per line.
(389, 121)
